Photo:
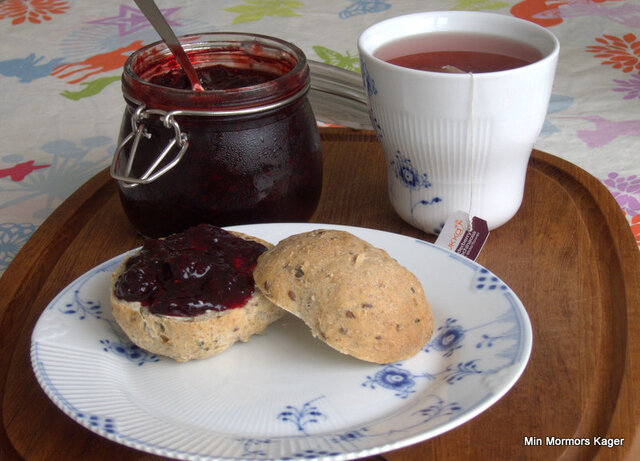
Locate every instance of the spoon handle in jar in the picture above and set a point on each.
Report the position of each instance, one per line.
(160, 24)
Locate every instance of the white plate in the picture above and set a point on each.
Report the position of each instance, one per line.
(286, 395)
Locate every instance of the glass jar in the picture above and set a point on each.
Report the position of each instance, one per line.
(248, 153)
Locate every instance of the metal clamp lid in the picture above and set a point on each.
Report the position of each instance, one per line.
(180, 139)
(137, 132)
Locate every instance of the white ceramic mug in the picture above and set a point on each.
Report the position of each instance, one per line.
(457, 141)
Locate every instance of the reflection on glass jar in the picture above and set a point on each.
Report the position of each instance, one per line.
(245, 150)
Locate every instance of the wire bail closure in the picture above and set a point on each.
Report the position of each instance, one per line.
(180, 139)
(137, 132)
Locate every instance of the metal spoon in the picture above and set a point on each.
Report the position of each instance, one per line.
(160, 24)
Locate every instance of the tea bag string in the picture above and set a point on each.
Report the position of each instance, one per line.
(471, 148)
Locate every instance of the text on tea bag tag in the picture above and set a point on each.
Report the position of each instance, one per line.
(463, 235)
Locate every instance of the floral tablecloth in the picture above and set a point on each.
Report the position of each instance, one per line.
(61, 101)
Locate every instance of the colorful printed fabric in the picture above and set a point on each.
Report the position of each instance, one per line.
(61, 103)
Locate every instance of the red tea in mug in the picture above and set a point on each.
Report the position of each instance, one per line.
(458, 52)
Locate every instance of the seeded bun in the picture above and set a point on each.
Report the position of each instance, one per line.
(353, 296)
(190, 338)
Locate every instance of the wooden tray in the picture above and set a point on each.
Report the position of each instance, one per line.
(568, 254)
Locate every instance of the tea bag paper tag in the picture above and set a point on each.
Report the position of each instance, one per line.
(460, 237)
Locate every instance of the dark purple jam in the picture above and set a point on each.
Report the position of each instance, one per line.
(266, 169)
(217, 77)
(186, 274)
(259, 159)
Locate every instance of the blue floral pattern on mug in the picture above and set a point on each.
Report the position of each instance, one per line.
(369, 83)
(414, 180)
(377, 127)
(404, 170)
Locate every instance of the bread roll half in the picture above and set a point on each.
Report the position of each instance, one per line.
(353, 296)
(184, 338)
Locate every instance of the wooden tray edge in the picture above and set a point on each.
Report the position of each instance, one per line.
(99, 189)
(621, 283)
(20, 275)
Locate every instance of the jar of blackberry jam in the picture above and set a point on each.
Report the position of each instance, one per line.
(246, 149)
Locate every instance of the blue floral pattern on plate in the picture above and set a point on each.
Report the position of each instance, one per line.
(301, 417)
(311, 401)
(82, 306)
